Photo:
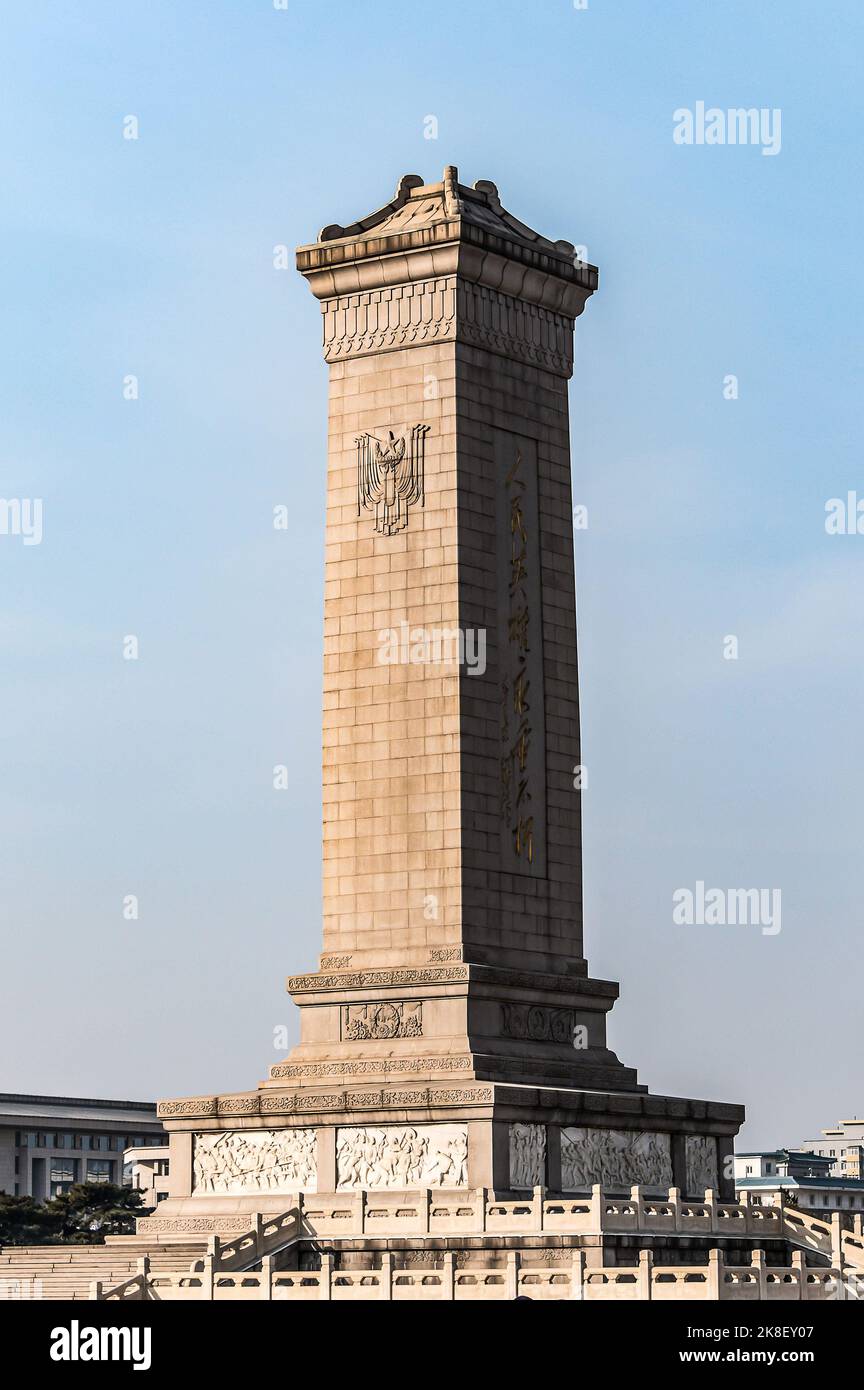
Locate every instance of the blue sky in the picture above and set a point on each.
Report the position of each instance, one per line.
(706, 516)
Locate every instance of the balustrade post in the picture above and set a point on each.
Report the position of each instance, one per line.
(781, 1210)
(537, 1207)
(95, 1290)
(837, 1258)
(597, 1221)
(207, 1276)
(716, 1265)
(386, 1277)
(675, 1204)
(711, 1204)
(757, 1262)
(512, 1274)
(645, 1262)
(265, 1290)
(636, 1201)
(448, 1276)
(742, 1200)
(800, 1269)
(577, 1274)
(324, 1287)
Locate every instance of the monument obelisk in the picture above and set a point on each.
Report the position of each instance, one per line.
(452, 1034)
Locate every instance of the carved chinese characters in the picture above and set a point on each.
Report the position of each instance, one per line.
(614, 1158)
(245, 1162)
(522, 743)
(402, 1157)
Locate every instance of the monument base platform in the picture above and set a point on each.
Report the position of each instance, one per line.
(236, 1154)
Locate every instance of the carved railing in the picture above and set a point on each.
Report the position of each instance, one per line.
(267, 1236)
(134, 1290)
(564, 1280)
(478, 1212)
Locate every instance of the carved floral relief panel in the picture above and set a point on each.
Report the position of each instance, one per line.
(380, 1021)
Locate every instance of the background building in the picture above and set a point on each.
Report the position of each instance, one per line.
(146, 1169)
(802, 1177)
(47, 1143)
(844, 1145)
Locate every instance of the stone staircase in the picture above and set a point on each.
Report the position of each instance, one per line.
(66, 1272)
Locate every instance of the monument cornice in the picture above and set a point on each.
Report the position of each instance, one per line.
(430, 231)
(263, 1104)
(320, 982)
(447, 250)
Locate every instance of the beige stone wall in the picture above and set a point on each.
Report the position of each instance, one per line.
(391, 731)
(509, 913)
(413, 853)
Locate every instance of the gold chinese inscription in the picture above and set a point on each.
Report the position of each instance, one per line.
(522, 755)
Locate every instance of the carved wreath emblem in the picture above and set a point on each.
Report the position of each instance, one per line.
(390, 477)
(382, 1021)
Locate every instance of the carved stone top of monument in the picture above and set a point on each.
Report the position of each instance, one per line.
(430, 230)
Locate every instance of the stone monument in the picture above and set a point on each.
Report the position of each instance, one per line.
(452, 1035)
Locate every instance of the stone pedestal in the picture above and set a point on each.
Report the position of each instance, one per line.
(452, 1034)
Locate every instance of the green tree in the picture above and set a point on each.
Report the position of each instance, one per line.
(90, 1211)
(23, 1221)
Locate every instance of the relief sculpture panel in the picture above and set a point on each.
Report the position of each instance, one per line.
(701, 1154)
(381, 1021)
(245, 1162)
(615, 1158)
(402, 1156)
(527, 1155)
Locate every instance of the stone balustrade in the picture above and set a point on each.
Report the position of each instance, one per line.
(226, 1269)
(452, 1282)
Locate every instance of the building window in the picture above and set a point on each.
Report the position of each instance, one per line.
(100, 1170)
(64, 1172)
